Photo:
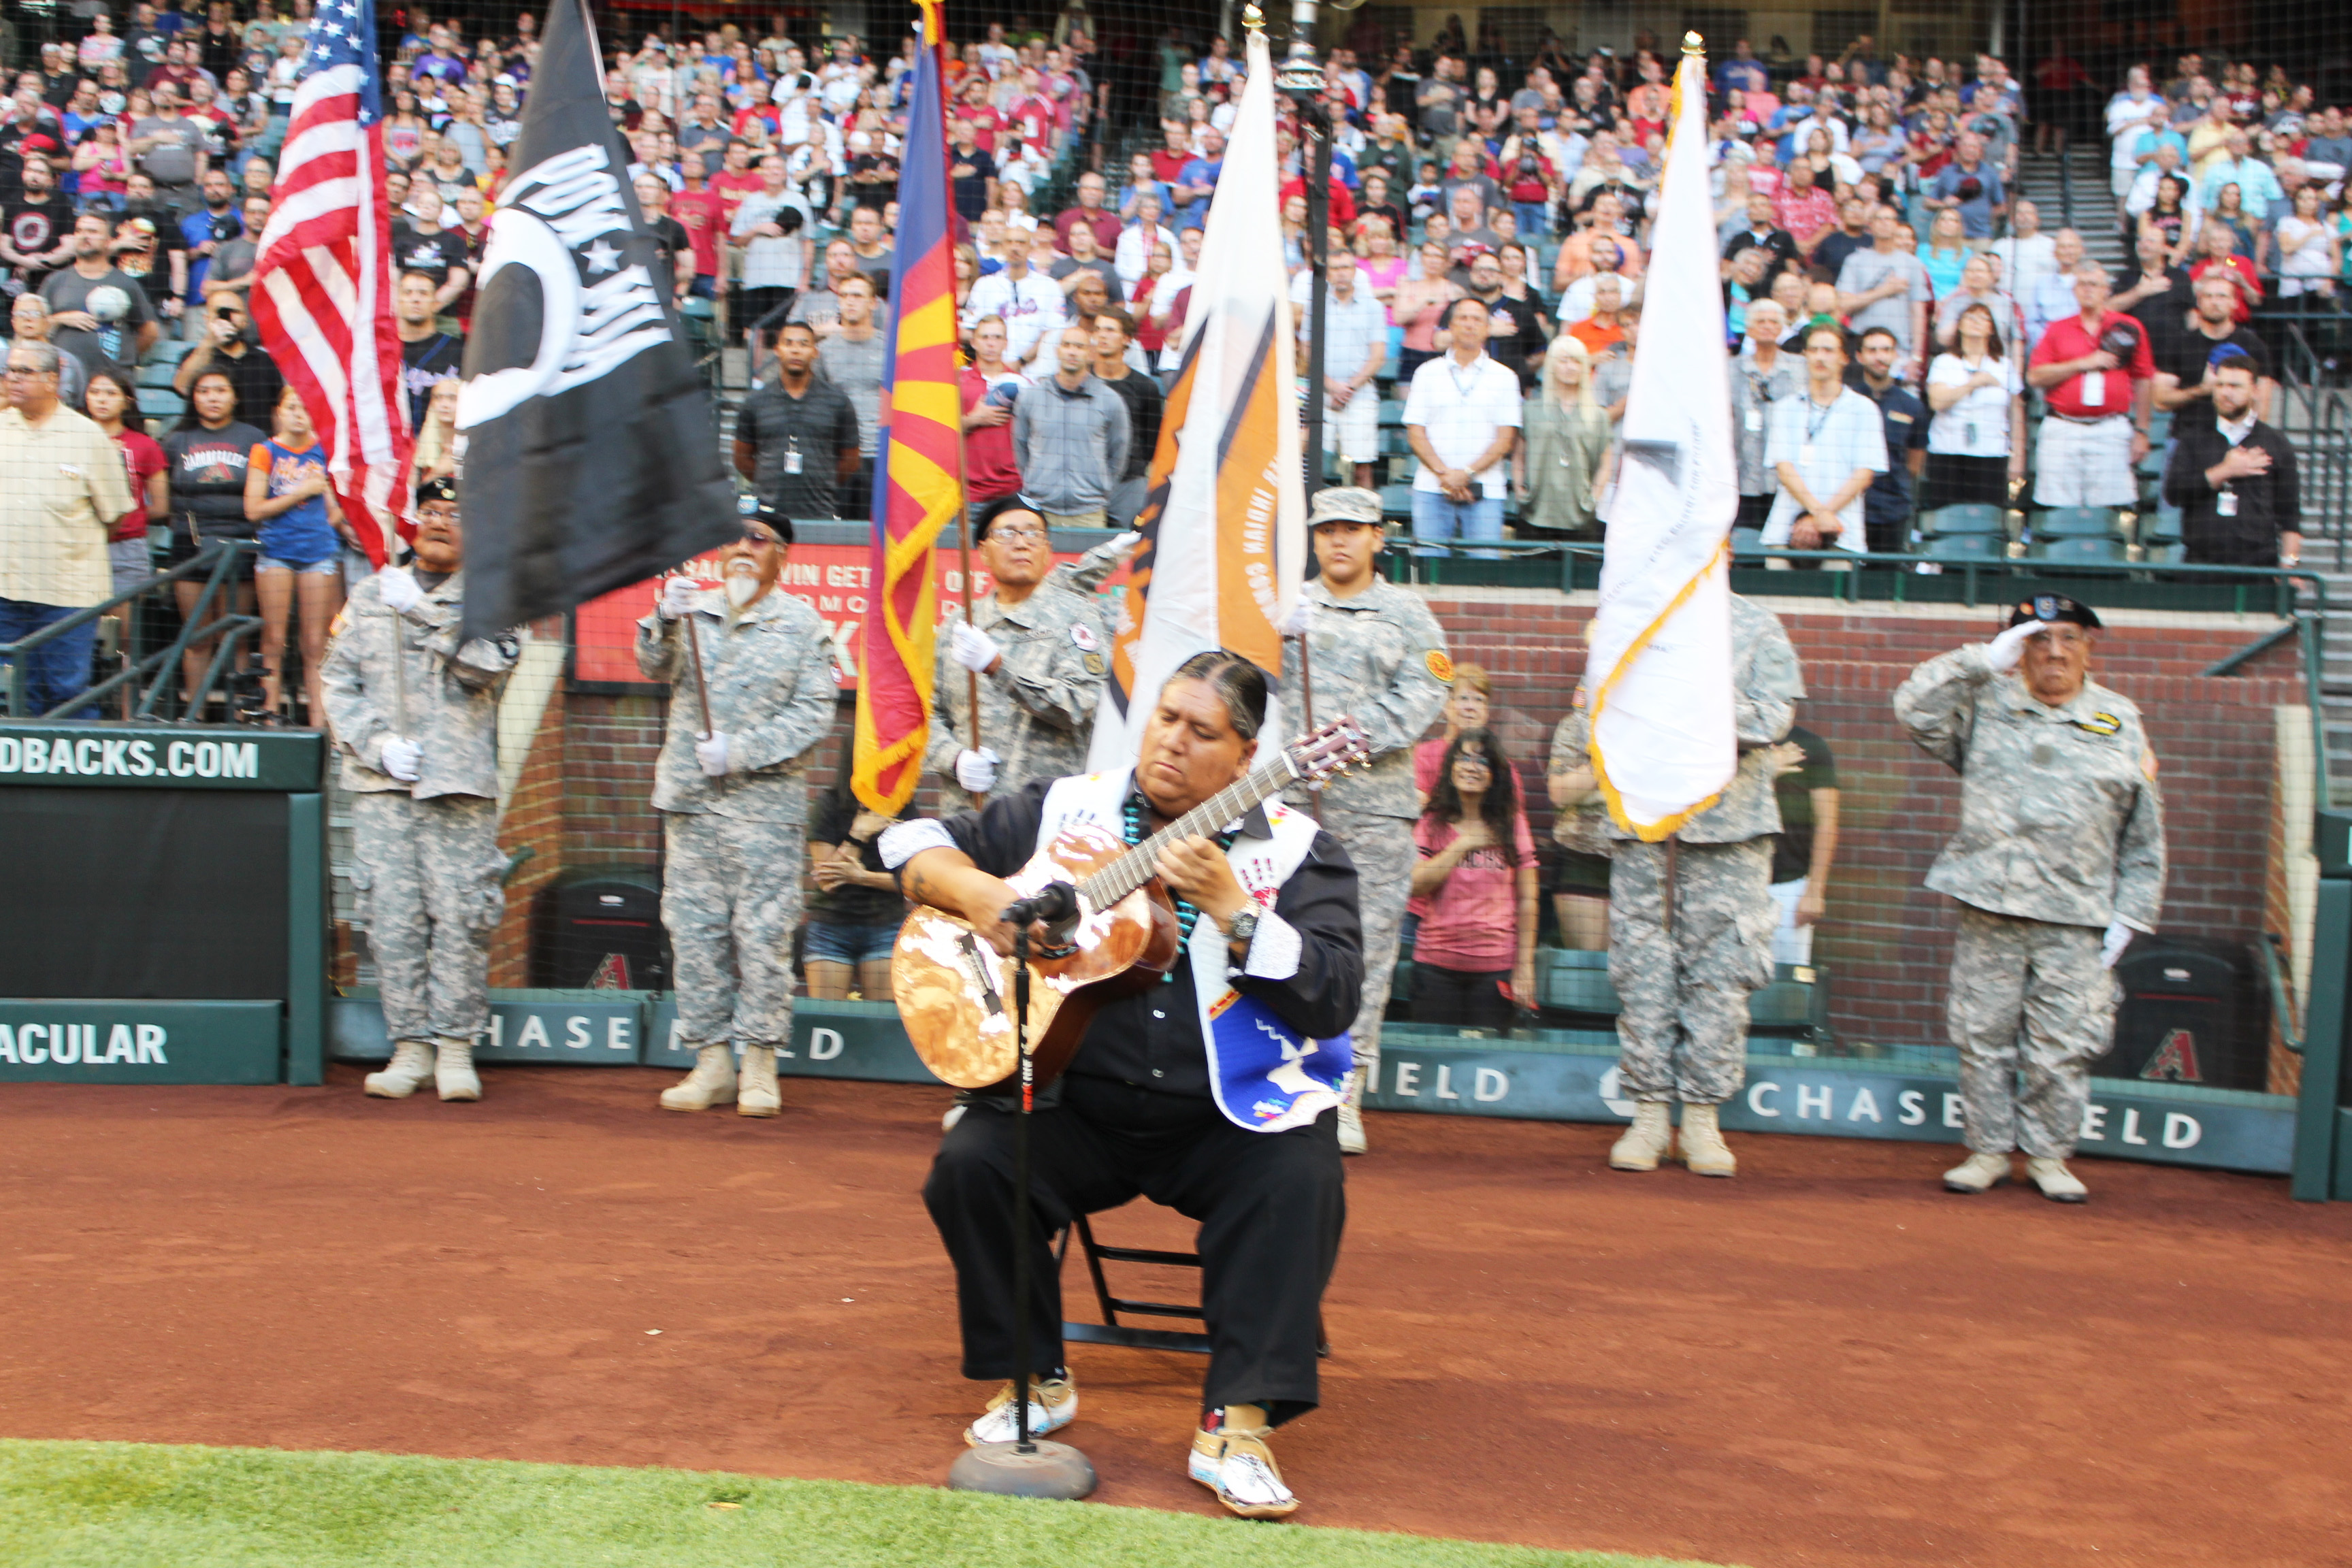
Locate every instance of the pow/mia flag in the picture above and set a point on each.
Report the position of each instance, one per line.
(590, 453)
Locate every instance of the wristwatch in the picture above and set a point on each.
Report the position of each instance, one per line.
(1243, 927)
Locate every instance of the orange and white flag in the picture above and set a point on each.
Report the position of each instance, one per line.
(1224, 526)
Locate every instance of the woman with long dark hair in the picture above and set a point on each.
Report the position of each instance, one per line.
(1474, 889)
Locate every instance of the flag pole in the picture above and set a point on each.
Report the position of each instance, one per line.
(701, 685)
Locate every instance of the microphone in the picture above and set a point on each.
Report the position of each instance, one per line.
(1056, 903)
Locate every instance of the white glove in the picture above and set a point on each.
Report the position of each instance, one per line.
(1301, 618)
(398, 589)
(401, 757)
(976, 770)
(972, 649)
(2003, 652)
(2111, 946)
(1121, 545)
(711, 752)
(677, 598)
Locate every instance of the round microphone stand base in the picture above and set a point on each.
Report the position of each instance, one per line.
(1047, 1470)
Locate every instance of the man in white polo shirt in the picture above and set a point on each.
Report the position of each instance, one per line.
(1462, 419)
(1826, 447)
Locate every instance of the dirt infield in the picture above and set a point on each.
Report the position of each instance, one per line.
(1827, 1361)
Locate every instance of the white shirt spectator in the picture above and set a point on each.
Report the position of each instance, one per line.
(1030, 308)
(1978, 425)
(1127, 260)
(1826, 445)
(1463, 407)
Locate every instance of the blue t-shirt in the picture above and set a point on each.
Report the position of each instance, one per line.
(300, 536)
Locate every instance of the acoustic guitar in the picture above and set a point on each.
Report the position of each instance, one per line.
(955, 993)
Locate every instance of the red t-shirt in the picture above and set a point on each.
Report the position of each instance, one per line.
(702, 214)
(1104, 223)
(1036, 120)
(1343, 204)
(2119, 334)
(990, 466)
(1472, 922)
(756, 114)
(142, 459)
(1805, 217)
(2244, 269)
(1167, 165)
(985, 124)
(731, 189)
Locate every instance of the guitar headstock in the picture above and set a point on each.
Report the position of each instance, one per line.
(1333, 748)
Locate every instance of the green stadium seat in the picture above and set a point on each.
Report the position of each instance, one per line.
(2093, 548)
(1975, 518)
(160, 403)
(2164, 554)
(1392, 413)
(168, 351)
(2075, 522)
(156, 372)
(1966, 547)
(1396, 501)
(1747, 541)
(2161, 526)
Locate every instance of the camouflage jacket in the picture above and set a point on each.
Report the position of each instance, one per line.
(2061, 818)
(1037, 707)
(1381, 659)
(773, 694)
(452, 692)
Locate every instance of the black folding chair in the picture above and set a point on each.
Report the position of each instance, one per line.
(1110, 1330)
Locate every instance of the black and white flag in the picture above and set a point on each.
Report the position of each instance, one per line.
(591, 457)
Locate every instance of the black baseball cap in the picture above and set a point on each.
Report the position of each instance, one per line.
(2053, 609)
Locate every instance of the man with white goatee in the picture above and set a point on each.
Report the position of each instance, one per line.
(732, 787)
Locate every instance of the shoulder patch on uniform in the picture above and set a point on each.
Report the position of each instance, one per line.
(2148, 763)
(1084, 636)
(1578, 698)
(1093, 663)
(1439, 665)
(2100, 724)
(342, 618)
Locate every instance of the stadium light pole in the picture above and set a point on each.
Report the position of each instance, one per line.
(1300, 79)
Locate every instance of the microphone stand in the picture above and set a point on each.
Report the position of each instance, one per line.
(1025, 1467)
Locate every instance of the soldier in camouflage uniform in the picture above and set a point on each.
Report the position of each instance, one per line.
(2059, 859)
(1378, 655)
(1039, 644)
(414, 710)
(732, 787)
(1683, 1020)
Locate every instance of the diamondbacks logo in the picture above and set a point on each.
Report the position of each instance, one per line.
(2175, 1061)
(612, 974)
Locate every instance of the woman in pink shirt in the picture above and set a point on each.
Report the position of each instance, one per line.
(1475, 891)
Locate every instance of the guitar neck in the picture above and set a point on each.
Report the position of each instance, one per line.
(1140, 865)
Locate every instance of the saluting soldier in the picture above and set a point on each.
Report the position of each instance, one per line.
(731, 786)
(413, 709)
(1683, 983)
(1040, 646)
(1380, 656)
(2059, 859)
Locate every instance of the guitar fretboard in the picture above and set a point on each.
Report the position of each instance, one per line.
(1140, 865)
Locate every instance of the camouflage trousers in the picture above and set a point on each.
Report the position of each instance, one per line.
(730, 898)
(2030, 995)
(1682, 1028)
(426, 874)
(1382, 848)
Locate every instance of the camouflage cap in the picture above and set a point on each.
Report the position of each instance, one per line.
(1345, 503)
(2053, 608)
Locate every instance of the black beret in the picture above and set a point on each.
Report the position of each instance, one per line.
(985, 516)
(440, 488)
(2053, 608)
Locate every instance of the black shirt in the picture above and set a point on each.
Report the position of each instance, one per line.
(431, 254)
(831, 816)
(206, 471)
(2161, 314)
(425, 365)
(36, 228)
(256, 381)
(1835, 246)
(2180, 351)
(1778, 244)
(798, 443)
(1792, 851)
(1152, 1039)
(672, 240)
(971, 190)
(1141, 395)
(1905, 418)
(2239, 524)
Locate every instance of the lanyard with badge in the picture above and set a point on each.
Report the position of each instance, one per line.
(1816, 418)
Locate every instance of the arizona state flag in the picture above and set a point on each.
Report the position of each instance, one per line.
(918, 475)
(1224, 523)
(591, 455)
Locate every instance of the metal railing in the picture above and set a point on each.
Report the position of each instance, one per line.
(217, 564)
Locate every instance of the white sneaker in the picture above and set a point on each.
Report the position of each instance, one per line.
(2058, 1183)
(453, 1070)
(1980, 1173)
(1235, 1463)
(1054, 1406)
(411, 1069)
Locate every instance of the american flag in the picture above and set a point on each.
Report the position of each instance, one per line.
(323, 283)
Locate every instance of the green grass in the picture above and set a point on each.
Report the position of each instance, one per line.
(129, 1505)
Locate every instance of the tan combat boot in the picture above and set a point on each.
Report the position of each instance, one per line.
(410, 1069)
(712, 1081)
(1980, 1173)
(1351, 1113)
(1703, 1147)
(755, 1088)
(2058, 1183)
(1646, 1141)
(453, 1070)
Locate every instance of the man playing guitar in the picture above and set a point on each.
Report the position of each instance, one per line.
(1154, 1103)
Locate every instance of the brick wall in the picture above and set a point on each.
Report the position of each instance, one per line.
(1887, 940)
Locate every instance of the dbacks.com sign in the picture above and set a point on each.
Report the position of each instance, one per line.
(100, 756)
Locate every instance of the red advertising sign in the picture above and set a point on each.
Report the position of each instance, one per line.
(830, 579)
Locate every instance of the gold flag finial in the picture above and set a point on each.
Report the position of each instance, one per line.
(1693, 44)
(1253, 18)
